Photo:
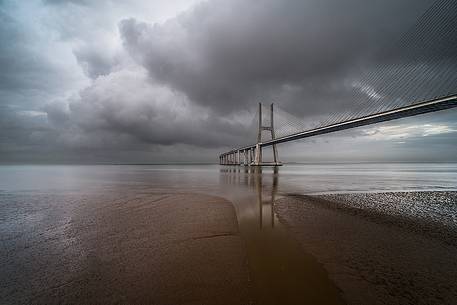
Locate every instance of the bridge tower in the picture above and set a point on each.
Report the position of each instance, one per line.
(258, 147)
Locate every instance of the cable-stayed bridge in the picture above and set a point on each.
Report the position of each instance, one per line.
(252, 154)
(416, 75)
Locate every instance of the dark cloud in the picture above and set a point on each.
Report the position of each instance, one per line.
(125, 105)
(95, 61)
(29, 73)
(23, 133)
(20, 66)
(189, 84)
(225, 54)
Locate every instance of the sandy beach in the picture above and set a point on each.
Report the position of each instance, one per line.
(123, 248)
(374, 253)
(205, 235)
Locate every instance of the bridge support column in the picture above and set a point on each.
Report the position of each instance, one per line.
(258, 154)
(258, 148)
(273, 136)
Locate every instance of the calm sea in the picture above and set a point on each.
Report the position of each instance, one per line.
(300, 178)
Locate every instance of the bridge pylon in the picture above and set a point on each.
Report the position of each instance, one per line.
(252, 154)
(258, 160)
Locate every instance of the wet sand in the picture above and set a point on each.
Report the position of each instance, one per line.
(121, 248)
(135, 235)
(376, 254)
(147, 235)
(281, 272)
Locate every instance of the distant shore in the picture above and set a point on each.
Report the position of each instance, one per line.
(374, 254)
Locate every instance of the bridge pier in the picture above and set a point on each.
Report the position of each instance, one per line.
(258, 154)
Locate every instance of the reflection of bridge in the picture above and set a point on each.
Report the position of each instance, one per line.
(416, 74)
(253, 178)
(252, 154)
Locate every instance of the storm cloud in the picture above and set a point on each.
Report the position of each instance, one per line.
(226, 54)
(124, 105)
(131, 85)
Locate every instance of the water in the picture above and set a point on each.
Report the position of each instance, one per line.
(282, 272)
(305, 179)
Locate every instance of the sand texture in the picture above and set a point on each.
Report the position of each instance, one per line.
(149, 248)
(373, 255)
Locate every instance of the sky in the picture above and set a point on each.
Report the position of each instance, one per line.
(113, 81)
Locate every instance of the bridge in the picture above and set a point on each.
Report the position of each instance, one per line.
(419, 78)
(252, 154)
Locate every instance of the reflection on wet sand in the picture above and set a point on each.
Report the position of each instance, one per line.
(282, 272)
(252, 178)
(269, 202)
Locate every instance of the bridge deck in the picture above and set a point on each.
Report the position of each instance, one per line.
(416, 109)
